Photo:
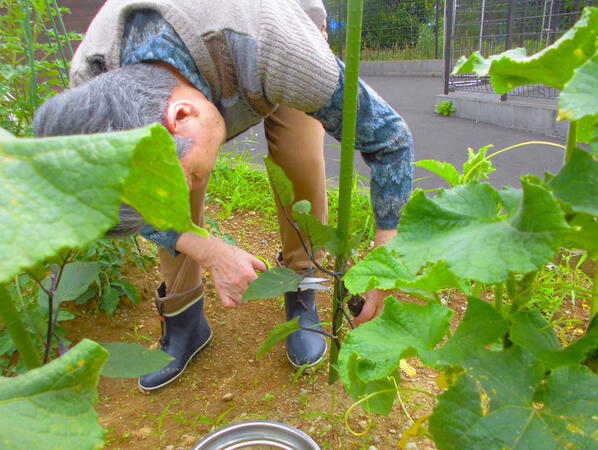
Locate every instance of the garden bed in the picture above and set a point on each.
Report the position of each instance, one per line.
(226, 383)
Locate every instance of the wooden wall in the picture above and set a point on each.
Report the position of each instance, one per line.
(82, 11)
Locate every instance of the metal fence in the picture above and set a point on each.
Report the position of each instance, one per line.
(392, 29)
(492, 26)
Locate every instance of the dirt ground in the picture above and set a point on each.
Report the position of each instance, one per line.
(227, 384)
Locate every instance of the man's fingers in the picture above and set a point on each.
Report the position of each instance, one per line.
(228, 302)
(367, 313)
(374, 305)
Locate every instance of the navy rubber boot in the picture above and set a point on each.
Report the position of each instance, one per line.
(187, 334)
(304, 347)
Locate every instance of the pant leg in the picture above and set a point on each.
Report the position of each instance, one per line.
(296, 144)
(182, 274)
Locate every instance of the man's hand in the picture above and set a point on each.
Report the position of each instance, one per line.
(374, 299)
(232, 269)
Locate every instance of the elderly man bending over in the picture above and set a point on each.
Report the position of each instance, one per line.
(208, 73)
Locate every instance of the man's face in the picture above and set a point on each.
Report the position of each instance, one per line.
(190, 115)
(197, 165)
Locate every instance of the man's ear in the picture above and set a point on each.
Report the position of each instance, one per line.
(180, 115)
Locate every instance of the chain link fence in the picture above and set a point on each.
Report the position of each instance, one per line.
(392, 29)
(493, 26)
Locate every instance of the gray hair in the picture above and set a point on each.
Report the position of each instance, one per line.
(121, 99)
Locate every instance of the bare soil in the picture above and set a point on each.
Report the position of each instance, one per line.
(227, 384)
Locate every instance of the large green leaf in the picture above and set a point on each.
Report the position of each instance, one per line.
(570, 400)
(381, 392)
(319, 234)
(132, 360)
(156, 185)
(461, 227)
(577, 183)
(443, 169)
(402, 330)
(532, 332)
(53, 406)
(552, 66)
(76, 278)
(587, 131)
(583, 236)
(280, 182)
(66, 191)
(380, 269)
(5, 134)
(580, 95)
(482, 325)
(592, 138)
(514, 408)
(280, 332)
(273, 284)
(457, 411)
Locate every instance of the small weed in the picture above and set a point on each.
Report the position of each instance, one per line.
(445, 108)
(110, 435)
(220, 420)
(135, 335)
(163, 415)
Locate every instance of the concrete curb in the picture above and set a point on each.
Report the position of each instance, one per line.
(415, 68)
(533, 115)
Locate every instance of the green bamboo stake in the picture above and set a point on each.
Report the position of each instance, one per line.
(499, 291)
(594, 301)
(18, 332)
(354, 18)
(30, 54)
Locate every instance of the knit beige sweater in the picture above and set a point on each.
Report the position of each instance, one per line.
(270, 51)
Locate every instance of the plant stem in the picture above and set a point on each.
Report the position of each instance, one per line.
(323, 333)
(64, 31)
(524, 292)
(499, 291)
(52, 321)
(354, 19)
(477, 289)
(337, 298)
(594, 301)
(571, 140)
(18, 332)
(30, 54)
(65, 66)
(507, 149)
(19, 293)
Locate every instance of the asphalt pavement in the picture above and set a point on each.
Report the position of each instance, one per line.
(436, 137)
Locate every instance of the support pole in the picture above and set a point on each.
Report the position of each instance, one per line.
(510, 23)
(449, 6)
(482, 24)
(340, 30)
(436, 28)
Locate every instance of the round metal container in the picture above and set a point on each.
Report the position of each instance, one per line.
(257, 435)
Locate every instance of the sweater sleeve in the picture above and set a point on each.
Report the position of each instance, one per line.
(386, 146)
(163, 239)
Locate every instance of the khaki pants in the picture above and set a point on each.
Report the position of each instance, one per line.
(296, 144)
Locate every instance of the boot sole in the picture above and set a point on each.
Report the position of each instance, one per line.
(164, 385)
(307, 366)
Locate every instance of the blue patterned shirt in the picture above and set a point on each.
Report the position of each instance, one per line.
(382, 136)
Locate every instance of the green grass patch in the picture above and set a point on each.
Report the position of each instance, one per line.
(239, 182)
